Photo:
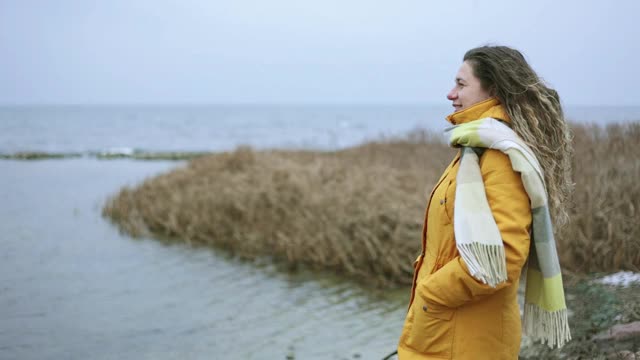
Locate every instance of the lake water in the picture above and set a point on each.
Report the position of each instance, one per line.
(122, 129)
(73, 287)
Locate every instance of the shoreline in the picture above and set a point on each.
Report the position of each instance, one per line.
(134, 155)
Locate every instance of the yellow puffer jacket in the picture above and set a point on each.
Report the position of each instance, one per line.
(452, 315)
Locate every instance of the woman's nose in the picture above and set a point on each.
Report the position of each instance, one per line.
(452, 95)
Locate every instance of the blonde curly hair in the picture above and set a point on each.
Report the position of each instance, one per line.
(536, 116)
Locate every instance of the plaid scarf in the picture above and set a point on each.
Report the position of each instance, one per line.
(478, 238)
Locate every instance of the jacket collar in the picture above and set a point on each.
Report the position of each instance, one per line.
(486, 108)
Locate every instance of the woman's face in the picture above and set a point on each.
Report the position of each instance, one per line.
(467, 90)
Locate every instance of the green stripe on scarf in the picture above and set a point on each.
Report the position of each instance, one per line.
(479, 241)
(549, 302)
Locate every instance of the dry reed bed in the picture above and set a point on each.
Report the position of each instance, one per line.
(604, 231)
(359, 211)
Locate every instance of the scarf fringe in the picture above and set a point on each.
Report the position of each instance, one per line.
(551, 327)
(486, 263)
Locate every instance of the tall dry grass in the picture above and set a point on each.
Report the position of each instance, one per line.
(604, 231)
(359, 211)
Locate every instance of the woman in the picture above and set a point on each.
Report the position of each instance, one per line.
(488, 214)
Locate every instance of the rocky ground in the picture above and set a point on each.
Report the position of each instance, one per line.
(604, 319)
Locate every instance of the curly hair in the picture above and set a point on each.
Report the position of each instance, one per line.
(536, 116)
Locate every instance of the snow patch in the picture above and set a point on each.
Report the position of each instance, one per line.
(622, 278)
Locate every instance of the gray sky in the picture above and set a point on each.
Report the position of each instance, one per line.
(286, 51)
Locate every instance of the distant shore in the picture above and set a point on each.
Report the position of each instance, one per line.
(106, 155)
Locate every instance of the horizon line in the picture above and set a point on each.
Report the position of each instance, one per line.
(257, 104)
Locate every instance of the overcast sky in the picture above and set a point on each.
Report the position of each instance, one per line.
(286, 51)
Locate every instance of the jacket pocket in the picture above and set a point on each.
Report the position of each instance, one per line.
(431, 332)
